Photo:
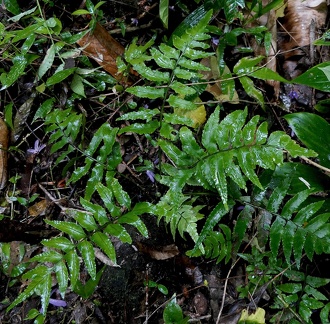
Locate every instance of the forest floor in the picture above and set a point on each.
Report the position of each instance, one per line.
(150, 270)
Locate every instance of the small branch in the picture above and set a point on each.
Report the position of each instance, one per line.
(316, 165)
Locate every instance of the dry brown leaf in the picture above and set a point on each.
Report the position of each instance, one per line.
(38, 208)
(162, 253)
(4, 142)
(302, 19)
(104, 49)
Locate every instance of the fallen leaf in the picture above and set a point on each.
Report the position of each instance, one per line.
(162, 253)
(104, 49)
(4, 141)
(38, 208)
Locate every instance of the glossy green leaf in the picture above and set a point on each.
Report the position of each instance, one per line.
(86, 290)
(98, 211)
(142, 129)
(163, 12)
(77, 85)
(107, 196)
(278, 195)
(119, 231)
(267, 74)
(143, 114)
(276, 232)
(231, 8)
(62, 277)
(298, 244)
(177, 102)
(120, 194)
(305, 213)
(85, 220)
(48, 60)
(48, 256)
(12, 6)
(163, 60)
(72, 229)
(59, 76)
(16, 71)
(324, 314)
(44, 109)
(173, 313)
(215, 216)
(317, 77)
(40, 284)
(151, 74)
(182, 89)
(294, 203)
(317, 282)
(314, 132)
(251, 90)
(88, 255)
(103, 242)
(135, 221)
(72, 260)
(147, 92)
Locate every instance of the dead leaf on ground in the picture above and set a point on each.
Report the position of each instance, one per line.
(302, 21)
(104, 49)
(38, 208)
(162, 253)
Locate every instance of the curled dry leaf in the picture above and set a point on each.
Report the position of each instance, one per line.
(104, 49)
(302, 22)
(161, 253)
(4, 142)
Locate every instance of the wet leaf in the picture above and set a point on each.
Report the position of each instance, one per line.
(86, 220)
(103, 241)
(163, 12)
(146, 92)
(87, 253)
(72, 260)
(59, 76)
(69, 228)
(16, 71)
(173, 313)
(62, 277)
(85, 291)
(104, 49)
(61, 243)
(314, 132)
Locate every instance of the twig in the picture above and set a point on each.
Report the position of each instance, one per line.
(321, 167)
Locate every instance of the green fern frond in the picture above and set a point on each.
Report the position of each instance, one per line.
(178, 211)
(102, 155)
(175, 65)
(231, 149)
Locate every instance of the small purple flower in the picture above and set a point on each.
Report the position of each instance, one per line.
(293, 95)
(215, 41)
(151, 175)
(57, 302)
(134, 21)
(37, 147)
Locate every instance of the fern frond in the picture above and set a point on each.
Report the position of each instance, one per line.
(178, 211)
(176, 64)
(231, 149)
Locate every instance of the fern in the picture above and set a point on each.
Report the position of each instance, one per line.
(86, 230)
(179, 213)
(176, 65)
(230, 149)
